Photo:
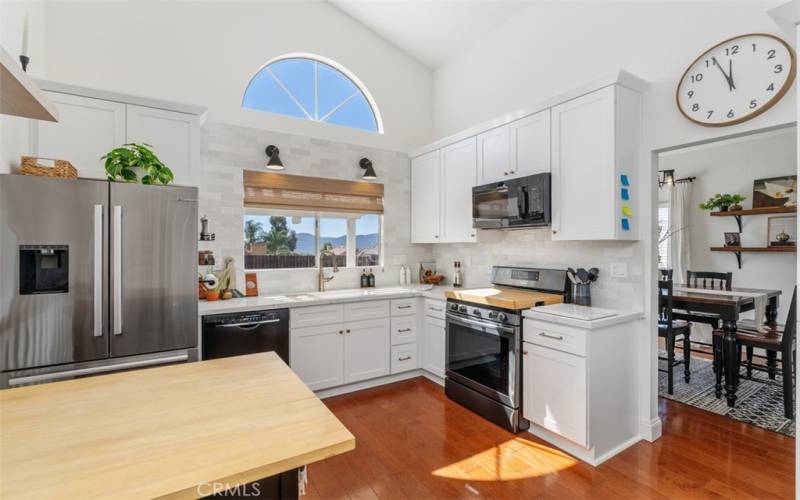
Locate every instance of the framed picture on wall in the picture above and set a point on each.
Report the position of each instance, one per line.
(733, 239)
(775, 192)
(782, 230)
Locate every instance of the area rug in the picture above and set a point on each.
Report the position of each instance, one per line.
(757, 403)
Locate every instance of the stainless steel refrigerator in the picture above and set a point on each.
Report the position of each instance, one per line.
(95, 277)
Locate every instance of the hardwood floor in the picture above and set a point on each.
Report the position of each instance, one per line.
(411, 442)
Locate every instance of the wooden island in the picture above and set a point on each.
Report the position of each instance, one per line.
(180, 431)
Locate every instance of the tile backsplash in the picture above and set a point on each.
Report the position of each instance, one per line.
(227, 150)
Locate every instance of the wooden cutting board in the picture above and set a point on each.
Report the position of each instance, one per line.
(505, 298)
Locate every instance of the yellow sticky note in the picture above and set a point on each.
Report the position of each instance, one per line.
(626, 211)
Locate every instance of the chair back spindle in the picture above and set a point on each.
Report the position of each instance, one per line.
(709, 280)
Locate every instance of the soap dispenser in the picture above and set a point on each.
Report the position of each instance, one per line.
(457, 277)
(364, 279)
(371, 278)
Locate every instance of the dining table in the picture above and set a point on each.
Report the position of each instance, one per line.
(704, 306)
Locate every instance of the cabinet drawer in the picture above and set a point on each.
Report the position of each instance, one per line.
(563, 338)
(404, 358)
(300, 317)
(404, 330)
(434, 308)
(372, 309)
(402, 307)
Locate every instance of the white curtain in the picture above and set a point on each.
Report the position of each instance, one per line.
(680, 206)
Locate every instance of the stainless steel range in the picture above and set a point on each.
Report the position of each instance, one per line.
(484, 340)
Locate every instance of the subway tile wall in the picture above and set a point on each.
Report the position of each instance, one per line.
(227, 150)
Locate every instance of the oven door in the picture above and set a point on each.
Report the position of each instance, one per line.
(484, 357)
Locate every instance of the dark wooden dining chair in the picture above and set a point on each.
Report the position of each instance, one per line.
(671, 329)
(772, 341)
(708, 279)
(666, 274)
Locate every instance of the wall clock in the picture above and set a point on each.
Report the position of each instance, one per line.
(736, 80)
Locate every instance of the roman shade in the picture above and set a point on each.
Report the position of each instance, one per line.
(318, 194)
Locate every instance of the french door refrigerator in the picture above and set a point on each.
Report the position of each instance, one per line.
(95, 277)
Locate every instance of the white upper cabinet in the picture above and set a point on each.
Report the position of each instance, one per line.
(86, 130)
(175, 138)
(494, 157)
(529, 144)
(594, 165)
(458, 178)
(425, 189)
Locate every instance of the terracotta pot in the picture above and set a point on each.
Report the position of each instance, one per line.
(212, 295)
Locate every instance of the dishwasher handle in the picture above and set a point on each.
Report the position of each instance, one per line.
(249, 325)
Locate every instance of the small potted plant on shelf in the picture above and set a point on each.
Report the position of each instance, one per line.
(122, 162)
(724, 202)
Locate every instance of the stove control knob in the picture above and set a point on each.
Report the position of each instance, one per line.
(502, 316)
(454, 307)
(462, 309)
(492, 314)
(476, 312)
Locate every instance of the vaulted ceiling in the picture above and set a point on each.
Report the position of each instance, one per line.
(430, 31)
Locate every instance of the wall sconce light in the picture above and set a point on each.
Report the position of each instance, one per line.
(369, 172)
(274, 163)
(667, 178)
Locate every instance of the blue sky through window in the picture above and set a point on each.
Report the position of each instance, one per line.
(310, 89)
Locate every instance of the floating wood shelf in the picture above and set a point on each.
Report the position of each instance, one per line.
(738, 251)
(754, 211)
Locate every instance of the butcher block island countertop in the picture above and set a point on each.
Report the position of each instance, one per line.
(163, 431)
(505, 298)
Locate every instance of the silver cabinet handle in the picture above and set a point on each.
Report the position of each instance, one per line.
(554, 337)
(435, 309)
(252, 323)
(97, 287)
(404, 307)
(406, 358)
(44, 377)
(347, 331)
(117, 270)
(404, 330)
(341, 332)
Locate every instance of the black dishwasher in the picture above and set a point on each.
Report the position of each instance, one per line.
(235, 334)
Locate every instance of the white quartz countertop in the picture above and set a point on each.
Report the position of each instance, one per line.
(589, 318)
(303, 299)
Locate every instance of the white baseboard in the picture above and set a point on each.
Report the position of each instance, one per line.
(369, 384)
(624, 446)
(651, 430)
(433, 378)
(588, 455)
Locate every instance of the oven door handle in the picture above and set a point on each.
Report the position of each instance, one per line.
(472, 323)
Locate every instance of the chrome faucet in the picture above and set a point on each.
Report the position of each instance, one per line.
(322, 279)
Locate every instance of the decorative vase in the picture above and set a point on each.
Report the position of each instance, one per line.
(782, 237)
(212, 295)
(227, 294)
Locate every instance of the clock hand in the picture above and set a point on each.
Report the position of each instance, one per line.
(727, 78)
(730, 74)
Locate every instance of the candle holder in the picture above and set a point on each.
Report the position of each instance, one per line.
(24, 60)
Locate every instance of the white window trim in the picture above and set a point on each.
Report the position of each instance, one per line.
(351, 236)
(346, 72)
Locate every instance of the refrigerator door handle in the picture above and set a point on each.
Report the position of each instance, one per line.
(98, 271)
(117, 270)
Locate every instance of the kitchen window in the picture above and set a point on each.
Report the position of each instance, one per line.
(284, 239)
(313, 88)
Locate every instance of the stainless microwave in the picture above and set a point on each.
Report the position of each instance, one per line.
(514, 203)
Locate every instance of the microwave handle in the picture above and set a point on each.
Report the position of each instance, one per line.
(522, 202)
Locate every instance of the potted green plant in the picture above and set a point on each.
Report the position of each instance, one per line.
(122, 162)
(723, 202)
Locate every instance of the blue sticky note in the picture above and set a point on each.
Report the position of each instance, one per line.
(625, 194)
(623, 179)
(626, 226)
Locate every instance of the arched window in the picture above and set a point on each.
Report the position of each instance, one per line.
(314, 88)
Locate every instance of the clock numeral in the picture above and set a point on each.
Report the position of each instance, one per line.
(753, 104)
(708, 65)
(754, 47)
(730, 114)
(778, 68)
(733, 50)
(697, 78)
(695, 107)
(771, 87)
(690, 94)
(771, 54)
(710, 112)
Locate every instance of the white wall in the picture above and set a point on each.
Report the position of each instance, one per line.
(553, 46)
(206, 52)
(731, 167)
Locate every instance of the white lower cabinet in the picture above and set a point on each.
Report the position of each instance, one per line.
(561, 407)
(317, 355)
(433, 345)
(404, 358)
(366, 349)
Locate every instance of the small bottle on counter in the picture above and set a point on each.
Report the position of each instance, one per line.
(364, 279)
(371, 279)
(457, 278)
